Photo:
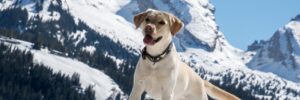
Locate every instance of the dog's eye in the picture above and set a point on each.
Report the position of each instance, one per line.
(147, 19)
(162, 23)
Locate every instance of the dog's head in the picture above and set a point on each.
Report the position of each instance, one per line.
(156, 25)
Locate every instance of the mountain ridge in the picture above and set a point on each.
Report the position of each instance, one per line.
(281, 53)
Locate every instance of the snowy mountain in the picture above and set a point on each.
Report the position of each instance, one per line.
(100, 34)
(103, 85)
(98, 45)
(281, 53)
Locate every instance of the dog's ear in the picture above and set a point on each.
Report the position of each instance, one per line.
(175, 24)
(139, 18)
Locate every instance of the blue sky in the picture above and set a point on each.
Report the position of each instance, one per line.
(243, 21)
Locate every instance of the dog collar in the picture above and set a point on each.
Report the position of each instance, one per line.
(157, 58)
(158, 39)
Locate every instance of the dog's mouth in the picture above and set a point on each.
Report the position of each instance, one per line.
(149, 40)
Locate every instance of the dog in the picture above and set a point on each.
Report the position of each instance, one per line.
(159, 71)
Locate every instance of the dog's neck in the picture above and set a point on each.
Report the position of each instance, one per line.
(159, 47)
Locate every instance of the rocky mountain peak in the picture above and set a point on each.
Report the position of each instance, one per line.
(281, 51)
(297, 18)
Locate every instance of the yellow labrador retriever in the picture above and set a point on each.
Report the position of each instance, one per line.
(159, 71)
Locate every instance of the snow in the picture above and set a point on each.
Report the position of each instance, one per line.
(201, 27)
(247, 78)
(78, 36)
(46, 15)
(118, 61)
(268, 65)
(90, 49)
(294, 26)
(21, 45)
(289, 46)
(115, 27)
(103, 85)
(30, 6)
(60, 38)
(6, 4)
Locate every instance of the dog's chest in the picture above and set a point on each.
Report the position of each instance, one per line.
(156, 74)
(157, 67)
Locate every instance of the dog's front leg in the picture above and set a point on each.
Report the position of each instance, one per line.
(138, 82)
(168, 90)
(137, 90)
(168, 86)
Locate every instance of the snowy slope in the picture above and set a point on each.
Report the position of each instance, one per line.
(102, 84)
(281, 53)
(90, 12)
(100, 15)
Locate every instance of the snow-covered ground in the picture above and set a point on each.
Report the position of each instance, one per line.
(103, 85)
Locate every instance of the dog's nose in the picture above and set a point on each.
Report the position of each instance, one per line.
(149, 29)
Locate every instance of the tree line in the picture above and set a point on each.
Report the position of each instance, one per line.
(21, 79)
